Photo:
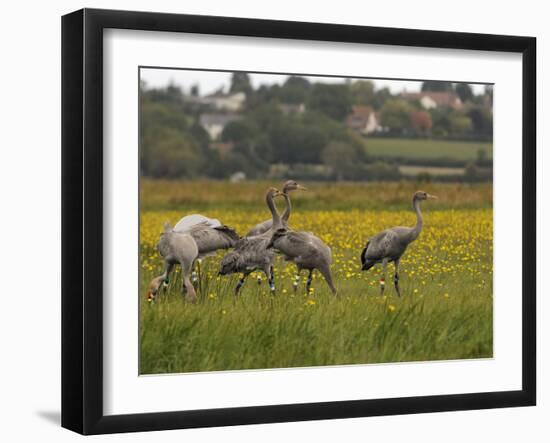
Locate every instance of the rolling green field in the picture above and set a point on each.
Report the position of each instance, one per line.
(427, 149)
(445, 312)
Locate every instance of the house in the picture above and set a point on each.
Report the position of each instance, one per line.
(363, 119)
(431, 99)
(215, 123)
(290, 108)
(225, 102)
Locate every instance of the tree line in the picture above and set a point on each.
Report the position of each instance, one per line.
(314, 143)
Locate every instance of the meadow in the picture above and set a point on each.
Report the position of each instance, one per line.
(427, 149)
(445, 312)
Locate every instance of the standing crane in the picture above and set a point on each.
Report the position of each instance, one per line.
(307, 251)
(251, 253)
(391, 244)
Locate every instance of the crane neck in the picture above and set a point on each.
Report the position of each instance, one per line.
(276, 219)
(419, 220)
(286, 214)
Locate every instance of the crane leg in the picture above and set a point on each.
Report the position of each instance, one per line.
(187, 287)
(271, 279)
(383, 278)
(296, 279)
(165, 277)
(309, 280)
(396, 278)
(196, 276)
(325, 272)
(241, 283)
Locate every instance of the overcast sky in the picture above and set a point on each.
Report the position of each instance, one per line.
(210, 81)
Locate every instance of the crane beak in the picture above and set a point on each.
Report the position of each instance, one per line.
(432, 196)
(301, 188)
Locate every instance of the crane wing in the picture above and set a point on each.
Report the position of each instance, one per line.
(187, 222)
(381, 245)
(260, 228)
(298, 243)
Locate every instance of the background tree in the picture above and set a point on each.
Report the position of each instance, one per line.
(295, 90)
(194, 91)
(441, 124)
(380, 97)
(362, 92)
(421, 121)
(333, 100)
(395, 115)
(460, 124)
(240, 82)
(340, 157)
(482, 121)
(240, 131)
(464, 91)
(172, 155)
(437, 86)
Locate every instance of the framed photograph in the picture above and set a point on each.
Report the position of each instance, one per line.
(269, 221)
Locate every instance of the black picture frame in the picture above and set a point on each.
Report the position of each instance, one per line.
(82, 221)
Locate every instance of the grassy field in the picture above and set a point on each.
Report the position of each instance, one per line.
(446, 280)
(427, 149)
(413, 171)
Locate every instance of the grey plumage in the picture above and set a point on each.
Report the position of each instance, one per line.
(251, 253)
(175, 248)
(209, 234)
(391, 244)
(266, 225)
(306, 250)
(210, 239)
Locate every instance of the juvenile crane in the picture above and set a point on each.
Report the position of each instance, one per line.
(391, 244)
(265, 226)
(304, 249)
(175, 248)
(209, 234)
(251, 253)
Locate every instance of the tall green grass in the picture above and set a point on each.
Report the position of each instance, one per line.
(257, 329)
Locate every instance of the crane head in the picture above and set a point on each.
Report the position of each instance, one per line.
(154, 288)
(273, 192)
(292, 185)
(421, 195)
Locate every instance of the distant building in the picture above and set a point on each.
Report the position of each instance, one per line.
(225, 102)
(215, 123)
(237, 177)
(431, 100)
(363, 119)
(290, 108)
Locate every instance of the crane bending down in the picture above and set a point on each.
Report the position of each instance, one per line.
(391, 244)
(265, 226)
(251, 253)
(207, 235)
(175, 248)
